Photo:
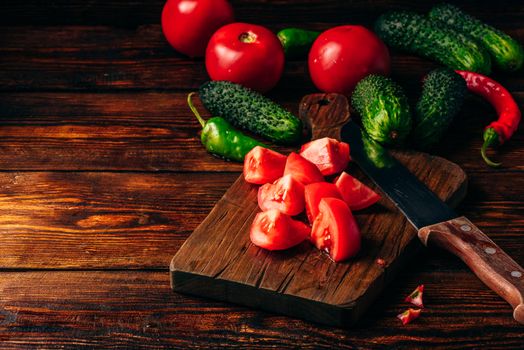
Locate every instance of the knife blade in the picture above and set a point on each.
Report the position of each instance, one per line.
(436, 222)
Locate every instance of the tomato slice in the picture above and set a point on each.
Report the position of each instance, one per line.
(329, 155)
(262, 165)
(302, 170)
(355, 193)
(286, 194)
(274, 230)
(335, 230)
(313, 193)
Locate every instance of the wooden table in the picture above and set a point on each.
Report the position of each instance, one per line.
(102, 177)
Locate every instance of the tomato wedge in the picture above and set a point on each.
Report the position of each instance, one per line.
(274, 230)
(302, 170)
(262, 165)
(329, 155)
(286, 194)
(335, 230)
(313, 193)
(355, 193)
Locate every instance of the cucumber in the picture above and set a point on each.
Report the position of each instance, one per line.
(247, 109)
(443, 93)
(384, 109)
(414, 33)
(506, 52)
(297, 42)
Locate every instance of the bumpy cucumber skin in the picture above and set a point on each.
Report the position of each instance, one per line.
(506, 52)
(442, 96)
(409, 31)
(384, 109)
(249, 110)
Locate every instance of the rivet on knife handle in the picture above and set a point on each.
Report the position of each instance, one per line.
(490, 263)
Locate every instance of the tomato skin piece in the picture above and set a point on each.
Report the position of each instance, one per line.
(302, 170)
(313, 194)
(329, 155)
(246, 54)
(274, 230)
(341, 56)
(262, 165)
(335, 230)
(189, 24)
(357, 195)
(286, 194)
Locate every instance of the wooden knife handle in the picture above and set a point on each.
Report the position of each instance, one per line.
(324, 114)
(490, 263)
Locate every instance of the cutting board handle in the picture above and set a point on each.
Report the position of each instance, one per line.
(490, 263)
(324, 114)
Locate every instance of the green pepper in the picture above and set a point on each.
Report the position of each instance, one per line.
(297, 42)
(221, 139)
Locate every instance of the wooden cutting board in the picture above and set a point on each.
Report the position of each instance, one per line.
(219, 261)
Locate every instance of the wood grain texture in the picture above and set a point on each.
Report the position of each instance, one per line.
(219, 261)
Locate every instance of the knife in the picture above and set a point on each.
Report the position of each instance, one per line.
(437, 224)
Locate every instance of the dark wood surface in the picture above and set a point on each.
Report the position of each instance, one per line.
(102, 178)
(219, 261)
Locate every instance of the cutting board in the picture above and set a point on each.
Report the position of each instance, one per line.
(219, 261)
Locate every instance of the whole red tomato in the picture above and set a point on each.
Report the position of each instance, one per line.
(341, 56)
(188, 24)
(246, 54)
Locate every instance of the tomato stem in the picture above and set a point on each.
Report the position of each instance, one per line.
(194, 110)
(247, 37)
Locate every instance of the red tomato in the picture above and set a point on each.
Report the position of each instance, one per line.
(329, 155)
(302, 170)
(262, 165)
(286, 194)
(341, 56)
(274, 230)
(313, 193)
(335, 230)
(246, 54)
(355, 193)
(188, 24)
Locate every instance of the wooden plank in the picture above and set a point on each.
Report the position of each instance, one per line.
(138, 310)
(116, 12)
(33, 58)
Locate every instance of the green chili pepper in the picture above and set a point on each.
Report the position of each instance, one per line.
(221, 138)
(297, 42)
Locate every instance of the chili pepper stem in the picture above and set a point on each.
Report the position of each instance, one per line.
(194, 110)
(491, 138)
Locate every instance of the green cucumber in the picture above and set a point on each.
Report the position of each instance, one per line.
(443, 93)
(414, 33)
(384, 109)
(247, 109)
(506, 52)
(297, 42)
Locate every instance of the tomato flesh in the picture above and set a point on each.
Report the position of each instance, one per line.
(286, 194)
(302, 170)
(262, 165)
(355, 193)
(313, 194)
(329, 155)
(335, 230)
(274, 230)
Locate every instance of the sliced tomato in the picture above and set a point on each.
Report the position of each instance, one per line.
(286, 194)
(262, 165)
(335, 230)
(329, 155)
(302, 170)
(355, 193)
(313, 193)
(274, 230)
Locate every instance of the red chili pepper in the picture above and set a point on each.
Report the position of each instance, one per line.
(415, 297)
(509, 114)
(409, 315)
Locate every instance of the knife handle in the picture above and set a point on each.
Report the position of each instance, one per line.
(490, 263)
